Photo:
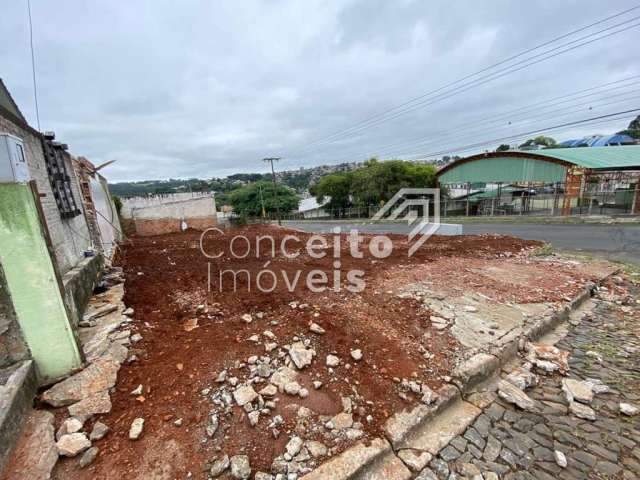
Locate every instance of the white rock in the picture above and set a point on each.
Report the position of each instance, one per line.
(70, 425)
(582, 411)
(247, 318)
(316, 449)
(561, 460)
(332, 361)
(315, 328)
(254, 417)
(294, 445)
(317, 384)
(522, 378)
(513, 394)
(292, 388)
(416, 460)
(137, 391)
(136, 337)
(340, 422)
(577, 390)
(628, 409)
(240, 467)
(356, 354)
(269, 391)
(136, 428)
(300, 355)
(244, 394)
(72, 444)
(219, 466)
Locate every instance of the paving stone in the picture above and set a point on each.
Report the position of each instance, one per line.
(608, 468)
(603, 453)
(449, 454)
(542, 429)
(440, 468)
(474, 437)
(483, 425)
(459, 443)
(508, 456)
(495, 411)
(584, 457)
(492, 449)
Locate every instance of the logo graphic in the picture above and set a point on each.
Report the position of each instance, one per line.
(416, 203)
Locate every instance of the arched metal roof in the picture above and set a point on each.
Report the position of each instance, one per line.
(547, 165)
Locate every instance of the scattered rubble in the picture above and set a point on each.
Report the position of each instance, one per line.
(513, 394)
(136, 429)
(72, 444)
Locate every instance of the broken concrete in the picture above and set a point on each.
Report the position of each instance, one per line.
(97, 377)
(373, 462)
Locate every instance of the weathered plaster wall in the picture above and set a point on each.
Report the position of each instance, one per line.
(197, 212)
(70, 236)
(132, 203)
(13, 347)
(33, 284)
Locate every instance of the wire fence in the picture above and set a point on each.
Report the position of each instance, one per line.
(618, 202)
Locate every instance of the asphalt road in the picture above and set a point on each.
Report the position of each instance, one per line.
(615, 242)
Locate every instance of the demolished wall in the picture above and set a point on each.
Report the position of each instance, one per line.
(166, 214)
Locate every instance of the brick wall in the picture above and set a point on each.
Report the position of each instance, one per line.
(70, 237)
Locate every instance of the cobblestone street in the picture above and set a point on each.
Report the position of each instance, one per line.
(515, 444)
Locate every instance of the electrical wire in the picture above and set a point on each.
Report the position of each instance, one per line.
(492, 119)
(493, 141)
(423, 99)
(33, 66)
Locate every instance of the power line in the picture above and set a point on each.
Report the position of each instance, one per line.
(546, 115)
(529, 133)
(417, 102)
(33, 65)
(383, 149)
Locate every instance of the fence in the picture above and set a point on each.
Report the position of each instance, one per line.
(619, 202)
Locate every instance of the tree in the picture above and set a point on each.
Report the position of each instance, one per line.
(633, 130)
(374, 183)
(247, 200)
(336, 187)
(377, 182)
(541, 140)
(503, 148)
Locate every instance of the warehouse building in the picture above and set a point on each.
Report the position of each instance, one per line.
(597, 180)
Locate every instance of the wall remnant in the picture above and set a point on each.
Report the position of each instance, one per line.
(160, 214)
(13, 347)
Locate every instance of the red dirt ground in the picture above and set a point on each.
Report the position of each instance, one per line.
(166, 279)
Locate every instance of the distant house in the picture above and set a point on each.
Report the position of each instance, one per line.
(310, 208)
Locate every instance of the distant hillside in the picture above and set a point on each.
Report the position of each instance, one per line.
(300, 180)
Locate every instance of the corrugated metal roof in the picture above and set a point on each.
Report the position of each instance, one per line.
(596, 157)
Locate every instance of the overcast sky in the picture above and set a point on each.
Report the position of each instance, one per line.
(207, 88)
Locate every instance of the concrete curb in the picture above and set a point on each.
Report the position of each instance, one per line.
(15, 404)
(476, 370)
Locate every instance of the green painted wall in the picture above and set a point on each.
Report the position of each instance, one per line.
(505, 169)
(33, 285)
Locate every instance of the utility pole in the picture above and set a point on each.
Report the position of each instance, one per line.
(275, 186)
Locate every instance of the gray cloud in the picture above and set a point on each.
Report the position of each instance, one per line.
(209, 88)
